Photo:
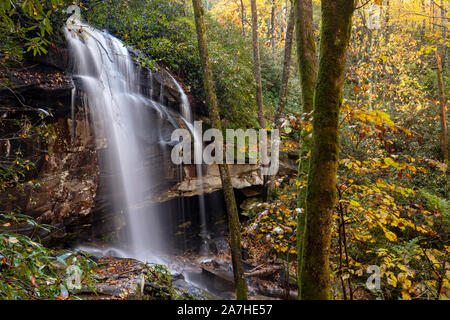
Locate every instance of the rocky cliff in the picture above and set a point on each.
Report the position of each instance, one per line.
(68, 189)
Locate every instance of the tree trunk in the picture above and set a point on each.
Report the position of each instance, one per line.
(306, 52)
(387, 19)
(257, 65)
(272, 27)
(443, 107)
(286, 66)
(321, 194)
(283, 89)
(211, 100)
(387, 15)
(423, 29)
(433, 16)
(444, 33)
(243, 17)
(285, 13)
(307, 61)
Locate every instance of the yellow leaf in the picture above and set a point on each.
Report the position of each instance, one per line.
(392, 280)
(405, 295)
(388, 161)
(390, 235)
(354, 203)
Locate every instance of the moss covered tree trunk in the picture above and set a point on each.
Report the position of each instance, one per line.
(257, 64)
(307, 61)
(211, 101)
(321, 197)
(306, 51)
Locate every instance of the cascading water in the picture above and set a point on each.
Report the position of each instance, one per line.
(123, 116)
(185, 105)
(198, 150)
(127, 117)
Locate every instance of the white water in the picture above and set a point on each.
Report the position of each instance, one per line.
(185, 105)
(198, 150)
(122, 115)
(198, 156)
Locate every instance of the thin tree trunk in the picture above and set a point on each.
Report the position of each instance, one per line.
(443, 107)
(307, 61)
(433, 16)
(424, 21)
(243, 17)
(387, 18)
(444, 33)
(286, 66)
(257, 65)
(272, 27)
(387, 15)
(285, 14)
(211, 100)
(284, 87)
(321, 194)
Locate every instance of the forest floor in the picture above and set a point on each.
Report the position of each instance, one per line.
(191, 277)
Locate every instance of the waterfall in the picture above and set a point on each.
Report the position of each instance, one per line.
(72, 113)
(123, 117)
(198, 156)
(185, 105)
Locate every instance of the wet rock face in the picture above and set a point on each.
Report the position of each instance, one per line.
(67, 175)
(70, 175)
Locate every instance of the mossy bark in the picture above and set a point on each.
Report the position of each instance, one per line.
(307, 61)
(306, 51)
(211, 101)
(321, 197)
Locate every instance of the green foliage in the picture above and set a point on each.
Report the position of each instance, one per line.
(31, 271)
(25, 27)
(161, 280)
(24, 130)
(387, 222)
(165, 32)
(434, 202)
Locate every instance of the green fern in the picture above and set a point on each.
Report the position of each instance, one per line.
(434, 202)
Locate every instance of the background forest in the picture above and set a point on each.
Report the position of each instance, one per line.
(392, 208)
